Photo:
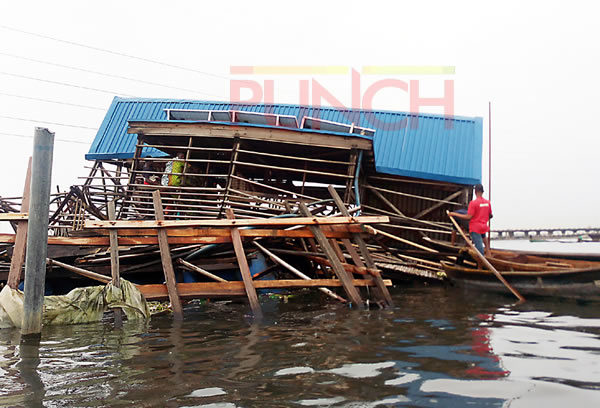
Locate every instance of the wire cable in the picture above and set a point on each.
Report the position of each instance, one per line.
(31, 137)
(51, 101)
(64, 84)
(50, 123)
(141, 81)
(122, 54)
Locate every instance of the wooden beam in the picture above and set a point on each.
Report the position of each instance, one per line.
(336, 265)
(280, 222)
(244, 269)
(18, 256)
(167, 263)
(236, 288)
(438, 205)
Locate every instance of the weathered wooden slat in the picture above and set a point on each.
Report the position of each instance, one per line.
(13, 216)
(244, 269)
(18, 256)
(280, 222)
(167, 262)
(217, 289)
(382, 293)
(336, 265)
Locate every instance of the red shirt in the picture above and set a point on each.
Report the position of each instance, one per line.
(480, 209)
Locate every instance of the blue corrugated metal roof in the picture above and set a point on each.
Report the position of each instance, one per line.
(425, 146)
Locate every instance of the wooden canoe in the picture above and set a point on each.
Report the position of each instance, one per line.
(573, 283)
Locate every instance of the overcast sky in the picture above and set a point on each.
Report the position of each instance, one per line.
(537, 62)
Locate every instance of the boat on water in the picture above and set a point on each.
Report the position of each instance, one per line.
(531, 275)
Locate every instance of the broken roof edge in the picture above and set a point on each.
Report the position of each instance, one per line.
(465, 181)
(214, 122)
(117, 99)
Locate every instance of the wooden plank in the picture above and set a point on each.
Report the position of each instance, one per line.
(333, 231)
(167, 263)
(336, 265)
(18, 256)
(236, 288)
(244, 269)
(114, 260)
(282, 135)
(281, 222)
(13, 216)
(382, 293)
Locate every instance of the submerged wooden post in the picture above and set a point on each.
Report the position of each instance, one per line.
(37, 231)
(167, 262)
(381, 292)
(244, 269)
(18, 255)
(114, 259)
(337, 266)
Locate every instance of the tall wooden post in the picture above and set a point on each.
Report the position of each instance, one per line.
(167, 262)
(244, 269)
(114, 259)
(37, 232)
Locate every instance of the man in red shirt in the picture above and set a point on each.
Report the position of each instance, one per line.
(479, 214)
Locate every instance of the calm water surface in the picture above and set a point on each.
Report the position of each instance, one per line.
(439, 347)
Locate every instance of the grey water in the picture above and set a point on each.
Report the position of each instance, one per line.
(438, 347)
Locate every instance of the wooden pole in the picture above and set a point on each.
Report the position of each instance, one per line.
(114, 260)
(485, 261)
(244, 269)
(167, 262)
(80, 271)
(489, 168)
(336, 265)
(37, 232)
(18, 256)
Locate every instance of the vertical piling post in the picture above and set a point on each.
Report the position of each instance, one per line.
(114, 259)
(37, 231)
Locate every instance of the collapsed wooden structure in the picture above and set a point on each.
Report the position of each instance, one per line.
(302, 199)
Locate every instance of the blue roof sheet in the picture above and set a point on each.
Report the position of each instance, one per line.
(421, 145)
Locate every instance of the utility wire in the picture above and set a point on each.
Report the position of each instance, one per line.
(141, 81)
(31, 137)
(50, 123)
(51, 101)
(113, 52)
(64, 84)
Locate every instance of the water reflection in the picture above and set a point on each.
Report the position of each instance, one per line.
(436, 348)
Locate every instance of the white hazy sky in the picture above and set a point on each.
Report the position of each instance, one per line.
(536, 61)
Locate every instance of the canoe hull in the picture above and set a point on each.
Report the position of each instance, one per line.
(583, 284)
